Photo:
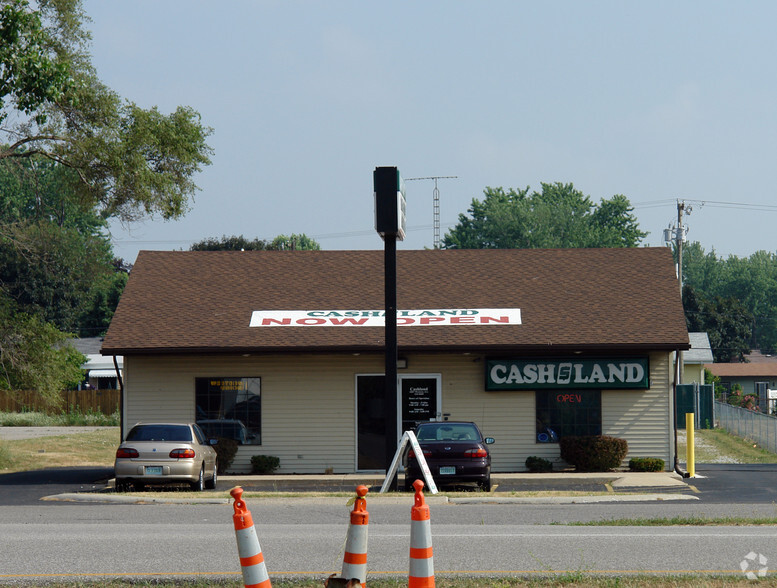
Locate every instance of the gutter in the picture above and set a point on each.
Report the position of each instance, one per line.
(121, 397)
(677, 469)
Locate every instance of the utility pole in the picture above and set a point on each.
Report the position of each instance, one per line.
(680, 237)
(435, 204)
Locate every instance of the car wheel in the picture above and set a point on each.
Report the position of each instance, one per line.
(210, 484)
(486, 485)
(198, 485)
(121, 486)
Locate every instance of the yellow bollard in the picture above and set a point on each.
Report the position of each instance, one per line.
(689, 444)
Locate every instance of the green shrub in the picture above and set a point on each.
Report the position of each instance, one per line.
(646, 464)
(538, 464)
(226, 449)
(264, 464)
(593, 453)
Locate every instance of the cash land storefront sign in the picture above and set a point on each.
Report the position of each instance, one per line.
(536, 374)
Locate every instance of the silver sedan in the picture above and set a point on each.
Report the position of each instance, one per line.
(164, 453)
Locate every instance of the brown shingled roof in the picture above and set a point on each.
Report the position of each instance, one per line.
(570, 299)
(742, 370)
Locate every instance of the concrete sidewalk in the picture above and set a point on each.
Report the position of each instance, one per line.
(624, 481)
(581, 488)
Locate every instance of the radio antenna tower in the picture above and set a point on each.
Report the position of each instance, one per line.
(435, 203)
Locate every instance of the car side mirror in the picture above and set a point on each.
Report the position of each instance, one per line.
(489, 440)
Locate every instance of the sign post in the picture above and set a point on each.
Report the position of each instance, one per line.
(389, 193)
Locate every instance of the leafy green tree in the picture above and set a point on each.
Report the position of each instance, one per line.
(294, 242)
(73, 154)
(558, 216)
(231, 243)
(752, 281)
(241, 243)
(129, 162)
(727, 322)
(54, 253)
(98, 312)
(35, 355)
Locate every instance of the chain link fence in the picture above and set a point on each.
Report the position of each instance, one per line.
(748, 424)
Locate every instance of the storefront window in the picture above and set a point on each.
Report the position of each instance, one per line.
(568, 412)
(230, 408)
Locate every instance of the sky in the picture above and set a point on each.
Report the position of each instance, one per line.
(659, 101)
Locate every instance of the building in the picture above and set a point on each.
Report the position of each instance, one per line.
(100, 371)
(757, 379)
(530, 344)
(696, 358)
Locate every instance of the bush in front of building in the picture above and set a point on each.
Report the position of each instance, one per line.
(226, 449)
(593, 453)
(646, 464)
(537, 464)
(264, 464)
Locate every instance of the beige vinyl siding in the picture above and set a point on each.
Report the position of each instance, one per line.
(643, 417)
(309, 405)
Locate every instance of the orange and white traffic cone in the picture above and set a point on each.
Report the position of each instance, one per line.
(248, 548)
(421, 561)
(355, 558)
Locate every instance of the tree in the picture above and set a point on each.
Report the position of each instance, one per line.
(232, 243)
(73, 154)
(559, 216)
(55, 258)
(725, 320)
(294, 242)
(128, 162)
(752, 281)
(34, 354)
(241, 243)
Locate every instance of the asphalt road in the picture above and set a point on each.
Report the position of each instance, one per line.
(716, 484)
(22, 488)
(45, 543)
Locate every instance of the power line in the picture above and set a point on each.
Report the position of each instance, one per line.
(710, 203)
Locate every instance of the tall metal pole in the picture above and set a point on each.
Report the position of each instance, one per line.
(390, 224)
(390, 393)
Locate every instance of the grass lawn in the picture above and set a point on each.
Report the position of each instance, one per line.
(96, 448)
(719, 446)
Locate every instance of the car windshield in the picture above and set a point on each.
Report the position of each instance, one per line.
(448, 432)
(160, 433)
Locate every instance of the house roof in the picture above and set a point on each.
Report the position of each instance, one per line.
(742, 370)
(569, 299)
(700, 351)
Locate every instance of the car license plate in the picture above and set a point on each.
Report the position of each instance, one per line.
(447, 470)
(153, 470)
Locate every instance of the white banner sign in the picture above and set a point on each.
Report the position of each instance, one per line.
(377, 318)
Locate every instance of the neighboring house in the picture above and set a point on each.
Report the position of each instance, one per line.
(696, 358)
(292, 344)
(100, 370)
(754, 378)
